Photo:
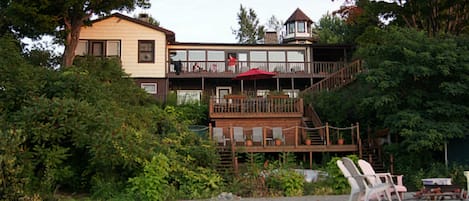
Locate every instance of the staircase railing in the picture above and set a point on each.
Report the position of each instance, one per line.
(338, 79)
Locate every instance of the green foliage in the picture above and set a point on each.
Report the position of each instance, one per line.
(12, 166)
(199, 182)
(336, 179)
(249, 32)
(331, 29)
(287, 181)
(419, 85)
(90, 129)
(153, 183)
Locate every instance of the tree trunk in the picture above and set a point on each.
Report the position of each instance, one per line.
(72, 27)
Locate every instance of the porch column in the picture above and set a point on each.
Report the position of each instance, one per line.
(242, 86)
(292, 83)
(203, 84)
(278, 84)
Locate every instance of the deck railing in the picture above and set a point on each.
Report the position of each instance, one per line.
(243, 105)
(317, 67)
(338, 79)
(294, 136)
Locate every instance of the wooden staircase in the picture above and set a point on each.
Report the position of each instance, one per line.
(226, 162)
(337, 79)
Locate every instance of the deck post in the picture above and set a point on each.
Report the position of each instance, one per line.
(296, 136)
(310, 160)
(328, 142)
(210, 133)
(360, 151)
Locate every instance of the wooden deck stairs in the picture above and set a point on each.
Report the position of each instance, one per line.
(337, 80)
(225, 165)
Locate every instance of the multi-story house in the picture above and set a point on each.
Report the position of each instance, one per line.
(161, 65)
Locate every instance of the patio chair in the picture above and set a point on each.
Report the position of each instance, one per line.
(257, 135)
(238, 135)
(218, 136)
(365, 191)
(367, 169)
(277, 133)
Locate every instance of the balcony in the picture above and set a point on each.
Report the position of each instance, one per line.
(241, 106)
(220, 69)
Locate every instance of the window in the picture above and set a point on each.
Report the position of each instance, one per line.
(188, 96)
(296, 56)
(258, 55)
(82, 48)
(301, 27)
(291, 28)
(146, 51)
(150, 88)
(277, 56)
(196, 55)
(262, 92)
(113, 48)
(215, 55)
(97, 48)
(292, 93)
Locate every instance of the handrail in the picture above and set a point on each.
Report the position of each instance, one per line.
(338, 79)
(292, 135)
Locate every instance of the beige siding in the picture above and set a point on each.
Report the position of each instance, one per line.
(129, 33)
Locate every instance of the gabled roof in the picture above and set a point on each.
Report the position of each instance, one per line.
(171, 37)
(298, 15)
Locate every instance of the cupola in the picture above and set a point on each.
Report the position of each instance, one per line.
(298, 28)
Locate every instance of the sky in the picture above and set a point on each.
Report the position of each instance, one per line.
(213, 20)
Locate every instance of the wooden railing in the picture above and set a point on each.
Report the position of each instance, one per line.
(294, 136)
(338, 79)
(317, 67)
(243, 105)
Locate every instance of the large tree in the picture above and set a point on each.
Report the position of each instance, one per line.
(62, 19)
(249, 32)
(434, 17)
(420, 84)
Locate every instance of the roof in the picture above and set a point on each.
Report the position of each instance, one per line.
(298, 15)
(171, 37)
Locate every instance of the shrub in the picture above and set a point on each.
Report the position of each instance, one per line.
(153, 184)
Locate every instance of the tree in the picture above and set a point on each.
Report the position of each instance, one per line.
(420, 87)
(62, 19)
(434, 17)
(249, 32)
(331, 29)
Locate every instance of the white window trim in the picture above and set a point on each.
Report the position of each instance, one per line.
(155, 85)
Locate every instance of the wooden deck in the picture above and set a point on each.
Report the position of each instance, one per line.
(241, 106)
(293, 139)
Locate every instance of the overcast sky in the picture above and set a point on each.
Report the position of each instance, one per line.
(213, 20)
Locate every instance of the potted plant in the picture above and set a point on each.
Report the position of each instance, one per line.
(278, 141)
(340, 138)
(307, 140)
(249, 140)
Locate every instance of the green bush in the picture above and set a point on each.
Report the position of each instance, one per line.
(153, 183)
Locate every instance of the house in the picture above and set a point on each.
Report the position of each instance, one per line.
(193, 71)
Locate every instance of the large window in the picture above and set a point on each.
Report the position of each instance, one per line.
(196, 55)
(146, 51)
(215, 55)
(296, 56)
(188, 96)
(99, 48)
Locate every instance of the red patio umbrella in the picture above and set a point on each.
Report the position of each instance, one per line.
(254, 74)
